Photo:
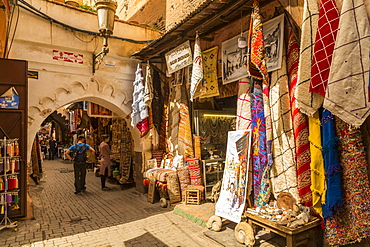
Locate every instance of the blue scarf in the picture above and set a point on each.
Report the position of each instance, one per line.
(334, 198)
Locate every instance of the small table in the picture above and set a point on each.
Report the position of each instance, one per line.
(308, 234)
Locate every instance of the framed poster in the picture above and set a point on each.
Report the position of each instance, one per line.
(273, 36)
(95, 110)
(231, 202)
(234, 60)
(179, 57)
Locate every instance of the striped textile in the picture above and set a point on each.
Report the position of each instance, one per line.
(243, 109)
(324, 46)
(194, 171)
(347, 95)
(185, 136)
(257, 64)
(259, 152)
(284, 170)
(300, 127)
(307, 102)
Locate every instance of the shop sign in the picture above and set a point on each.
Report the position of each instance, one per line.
(179, 57)
(69, 57)
(233, 195)
(33, 74)
(9, 99)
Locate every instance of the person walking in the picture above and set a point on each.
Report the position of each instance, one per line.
(105, 152)
(79, 163)
(52, 148)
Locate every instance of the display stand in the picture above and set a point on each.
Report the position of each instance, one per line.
(10, 153)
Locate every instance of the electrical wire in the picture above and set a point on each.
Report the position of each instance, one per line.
(39, 13)
(15, 28)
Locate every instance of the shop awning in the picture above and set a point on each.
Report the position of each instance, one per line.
(210, 16)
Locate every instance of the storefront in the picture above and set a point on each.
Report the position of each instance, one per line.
(242, 104)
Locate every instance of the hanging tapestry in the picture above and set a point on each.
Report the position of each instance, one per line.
(227, 90)
(333, 199)
(139, 115)
(197, 71)
(243, 109)
(351, 223)
(157, 102)
(210, 73)
(317, 164)
(347, 94)
(257, 64)
(307, 102)
(259, 152)
(284, 169)
(324, 46)
(185, 136)
(300, 127)
(267, 112)
(174, 192)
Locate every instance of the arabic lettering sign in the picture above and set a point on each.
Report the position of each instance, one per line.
(68, 57)
(179, 57)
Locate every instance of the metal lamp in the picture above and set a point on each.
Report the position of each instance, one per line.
(106, 10)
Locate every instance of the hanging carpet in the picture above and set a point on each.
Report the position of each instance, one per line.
(210, 73)
(243, 109)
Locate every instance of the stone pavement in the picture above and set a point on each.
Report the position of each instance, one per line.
(97, 218)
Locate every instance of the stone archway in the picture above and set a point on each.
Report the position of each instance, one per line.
(117, 100)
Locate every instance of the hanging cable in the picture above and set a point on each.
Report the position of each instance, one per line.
(15, 29)
(37, 12)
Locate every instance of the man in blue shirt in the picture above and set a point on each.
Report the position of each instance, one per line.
(79, 163)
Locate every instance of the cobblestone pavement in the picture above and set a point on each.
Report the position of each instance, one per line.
(97, 218)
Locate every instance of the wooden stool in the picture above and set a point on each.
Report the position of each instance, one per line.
(192, 197)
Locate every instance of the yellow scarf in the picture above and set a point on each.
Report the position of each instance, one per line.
(318, 186)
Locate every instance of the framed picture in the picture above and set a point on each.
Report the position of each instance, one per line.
(234, 60)
(95, 110)
(273, 35)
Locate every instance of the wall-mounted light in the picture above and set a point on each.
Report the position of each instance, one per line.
(106, 10)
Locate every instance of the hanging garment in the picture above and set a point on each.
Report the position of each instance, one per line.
(139, 115)
(148, 89)
(243, 109)
(210, 73)
(347, 94)
(300, 127)
(307, 102)
(318, 186)
(197, 71)
(259, 153)
(324, 46)
(333, 199)
(351, 223)
(157, 102)
(257, 64)
(284, 169)
(185, 143)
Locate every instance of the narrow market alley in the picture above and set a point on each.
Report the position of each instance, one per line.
(97, 218)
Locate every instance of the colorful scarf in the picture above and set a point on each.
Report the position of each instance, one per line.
(243, 109)
(210, 73)
(300, 127)
(307, 102)
(284, 169)
(318, 186)
(347, 92)
(185, 142)
(332, 166)
(197, 72)
(324, 46)
(351, 223)
(139, 115)
(259, 146)
(257, 64)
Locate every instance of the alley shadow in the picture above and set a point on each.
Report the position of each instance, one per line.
(146, 239)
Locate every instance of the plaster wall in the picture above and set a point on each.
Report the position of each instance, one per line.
(60, 82)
